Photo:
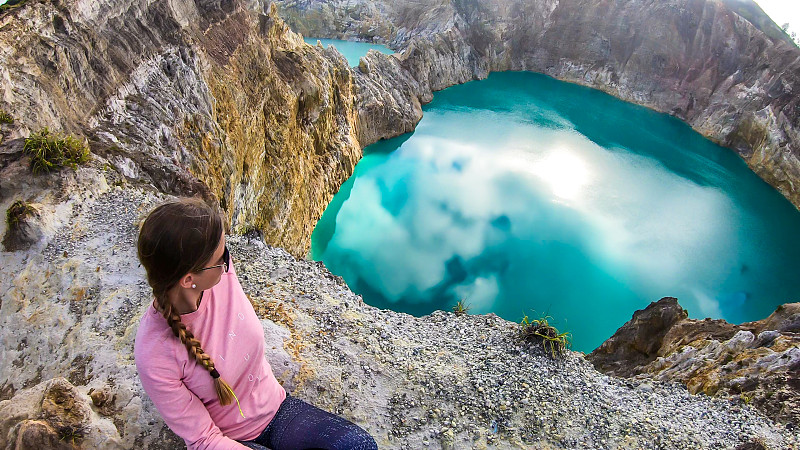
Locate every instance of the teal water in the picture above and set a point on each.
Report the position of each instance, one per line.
(521, 193)
(352, 51)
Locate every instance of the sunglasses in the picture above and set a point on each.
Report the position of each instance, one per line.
(226, 257)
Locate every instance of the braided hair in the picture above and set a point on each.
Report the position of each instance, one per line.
(177, 238)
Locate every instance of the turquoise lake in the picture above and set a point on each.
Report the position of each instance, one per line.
(525, 195)
(352, 51)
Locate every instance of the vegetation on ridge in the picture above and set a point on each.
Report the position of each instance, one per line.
(11, 4)
(461, 307)
(751, 12)
(51, 151)
(540, 331)
(5, 117)
(18, 211)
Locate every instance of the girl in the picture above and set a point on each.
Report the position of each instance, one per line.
(200, 346)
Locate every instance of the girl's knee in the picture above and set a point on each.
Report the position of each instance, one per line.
(356, 439)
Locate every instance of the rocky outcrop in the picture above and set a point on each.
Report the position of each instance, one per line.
(218, 99)
(758, 362)
(54, 415)
(71, 310)
(695, 59)
(638, 342)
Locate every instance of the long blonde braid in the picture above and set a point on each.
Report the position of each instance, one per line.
(223, 389)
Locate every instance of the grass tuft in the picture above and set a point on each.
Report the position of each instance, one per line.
(51, 151)
(11, 4)
(18, 211)
(461, 307)
(71, 435)
(540, 331)
(6, 117)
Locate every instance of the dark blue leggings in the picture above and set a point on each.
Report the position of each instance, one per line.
(298, 425)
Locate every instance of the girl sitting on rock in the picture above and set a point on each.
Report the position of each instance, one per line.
(200, 346)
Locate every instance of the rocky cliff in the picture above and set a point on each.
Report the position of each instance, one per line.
(695, 59)
(221, 99)
(757, 361)
(214, 98)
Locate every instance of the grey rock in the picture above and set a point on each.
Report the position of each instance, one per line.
(723, 73)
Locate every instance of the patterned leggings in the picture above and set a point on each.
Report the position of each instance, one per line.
(298, 425)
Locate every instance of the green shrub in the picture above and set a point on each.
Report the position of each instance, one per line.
(51, 151)
(11, 4)
(541, 332)
(5, 117)
(461, 307)
(17, 211)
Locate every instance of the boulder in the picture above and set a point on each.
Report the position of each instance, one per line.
(638, 342)
(757, 362)
(54, 415)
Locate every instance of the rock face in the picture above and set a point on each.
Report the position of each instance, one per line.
(637, 343)
(69, 312)
(757, 361)
(54, 415)
(695, 59)
(221, 99)
(218, 99)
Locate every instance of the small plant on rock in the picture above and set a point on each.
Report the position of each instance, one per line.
(5, 117)
(540, 331)
(11, 4)
(18, 211)
(51, 151)
(461, 307)
(71, 435)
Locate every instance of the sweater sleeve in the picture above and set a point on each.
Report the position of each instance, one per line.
(181, 409)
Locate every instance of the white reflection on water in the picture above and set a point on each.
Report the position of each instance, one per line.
(564, 172)
(437, 199)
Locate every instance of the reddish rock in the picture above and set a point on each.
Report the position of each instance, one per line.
(638, 342)
(38, 434)
(757, 362)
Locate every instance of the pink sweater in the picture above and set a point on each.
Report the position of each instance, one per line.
(183, 391)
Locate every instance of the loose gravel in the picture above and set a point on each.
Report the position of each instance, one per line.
(439, 381)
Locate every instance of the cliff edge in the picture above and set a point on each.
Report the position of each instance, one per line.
(71, 308)
(757, 361)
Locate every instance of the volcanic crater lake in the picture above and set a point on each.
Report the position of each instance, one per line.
(524, 195)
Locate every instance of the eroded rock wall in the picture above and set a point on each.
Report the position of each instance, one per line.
(694, 59)
(759, 362)
(218, 99)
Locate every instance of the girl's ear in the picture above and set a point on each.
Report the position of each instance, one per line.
(186, 281)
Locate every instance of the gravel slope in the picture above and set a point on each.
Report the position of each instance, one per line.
(440, 381)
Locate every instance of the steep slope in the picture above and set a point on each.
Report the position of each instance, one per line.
(695, 59)
(213, 98)
(441, 381)
(753, 13)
